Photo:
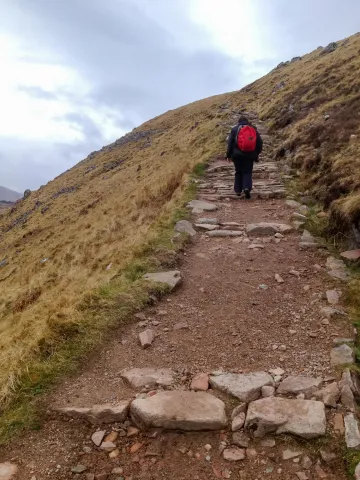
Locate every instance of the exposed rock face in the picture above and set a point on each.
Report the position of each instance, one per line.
(295, 385)
(179, 410)
(99, 414)
(245, 387)
(184, 226)
(304, 418)
(171, 278)
(139, 377)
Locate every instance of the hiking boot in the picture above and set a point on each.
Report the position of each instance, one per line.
(247, 193)
(238, 194)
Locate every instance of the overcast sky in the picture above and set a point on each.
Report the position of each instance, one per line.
(77, 74)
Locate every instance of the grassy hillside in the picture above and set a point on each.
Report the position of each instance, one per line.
(73, 247)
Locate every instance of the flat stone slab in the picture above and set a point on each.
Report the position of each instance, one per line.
(206, 226)
(351, 255)
(171, 278)
(226, 233)
(352, 434)
(292, 204)
(341, 355)
(303, 418)
(264, 228)
(139, 377)
(98, 414)
(184, 226)
(298, 384)
(179, 410)
(246, 387)
(201, 205)
(209, 221)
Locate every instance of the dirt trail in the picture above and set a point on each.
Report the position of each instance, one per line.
(230, 314)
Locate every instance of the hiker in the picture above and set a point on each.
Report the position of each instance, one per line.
(244, 147)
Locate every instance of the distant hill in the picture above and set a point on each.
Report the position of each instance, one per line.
(7, 195)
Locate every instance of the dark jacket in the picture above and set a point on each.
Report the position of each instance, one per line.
(244, 159)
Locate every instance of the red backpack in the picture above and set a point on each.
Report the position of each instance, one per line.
(246, 138)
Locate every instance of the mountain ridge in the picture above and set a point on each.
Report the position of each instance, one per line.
(8, 195)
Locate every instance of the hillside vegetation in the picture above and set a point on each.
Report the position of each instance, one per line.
(69, 248)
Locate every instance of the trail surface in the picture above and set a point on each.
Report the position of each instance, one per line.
(247, 303)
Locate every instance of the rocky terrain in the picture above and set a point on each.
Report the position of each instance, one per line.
(245, 367)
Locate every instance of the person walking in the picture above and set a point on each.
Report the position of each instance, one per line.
(244, 147)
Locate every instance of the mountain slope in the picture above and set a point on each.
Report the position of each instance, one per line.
(57, 243)
(7, 195)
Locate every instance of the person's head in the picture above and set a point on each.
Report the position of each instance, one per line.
(243, 120)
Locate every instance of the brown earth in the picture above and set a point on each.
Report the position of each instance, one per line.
(239, 319)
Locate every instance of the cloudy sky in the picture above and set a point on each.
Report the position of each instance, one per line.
(77, 74)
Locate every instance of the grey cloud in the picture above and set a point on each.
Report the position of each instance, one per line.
(37, 92)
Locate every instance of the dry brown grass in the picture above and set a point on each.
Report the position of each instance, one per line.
(113, 199)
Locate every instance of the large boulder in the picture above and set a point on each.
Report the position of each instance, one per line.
(98, 414)
(263, 228)
(139, 377)
(246, 387)
(298, 384)
(171, 278)
(304, 418)
(179, 410)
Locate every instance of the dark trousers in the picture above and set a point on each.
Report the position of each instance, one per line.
(243, 181)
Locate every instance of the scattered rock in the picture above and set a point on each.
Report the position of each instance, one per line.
(256, 245)
(327, 457)
(278, 278)
(135, 448)
(357, 472)
(201, 205)
(339, 423)
(268, 442)
(347, 398)
(78, 469)
(302, 476)
(329, 49)
(117, 471)
(114, 454)
(239, 409)
(351, 255)
(171, 278)
(330, 312)
(99, 414)
(306, 462)
(200, 382)
(240, 439)
(267, 391)
(184, 226)
(352, 435)
(98, 437)
(146, 338)
(304, 418)
(7, 470)
(108, 446)
(234, 454)
(337, 269)
(181, 326)
(238, 422)
(289, 454)
(320, 472)
(180, 410)
(295, 384)
(332, 297)
(245, 387)
(139, 377)
(292, 204)
(132, 432)
(277, 372)
(329, 395)
(264, 228)
(341, 355)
